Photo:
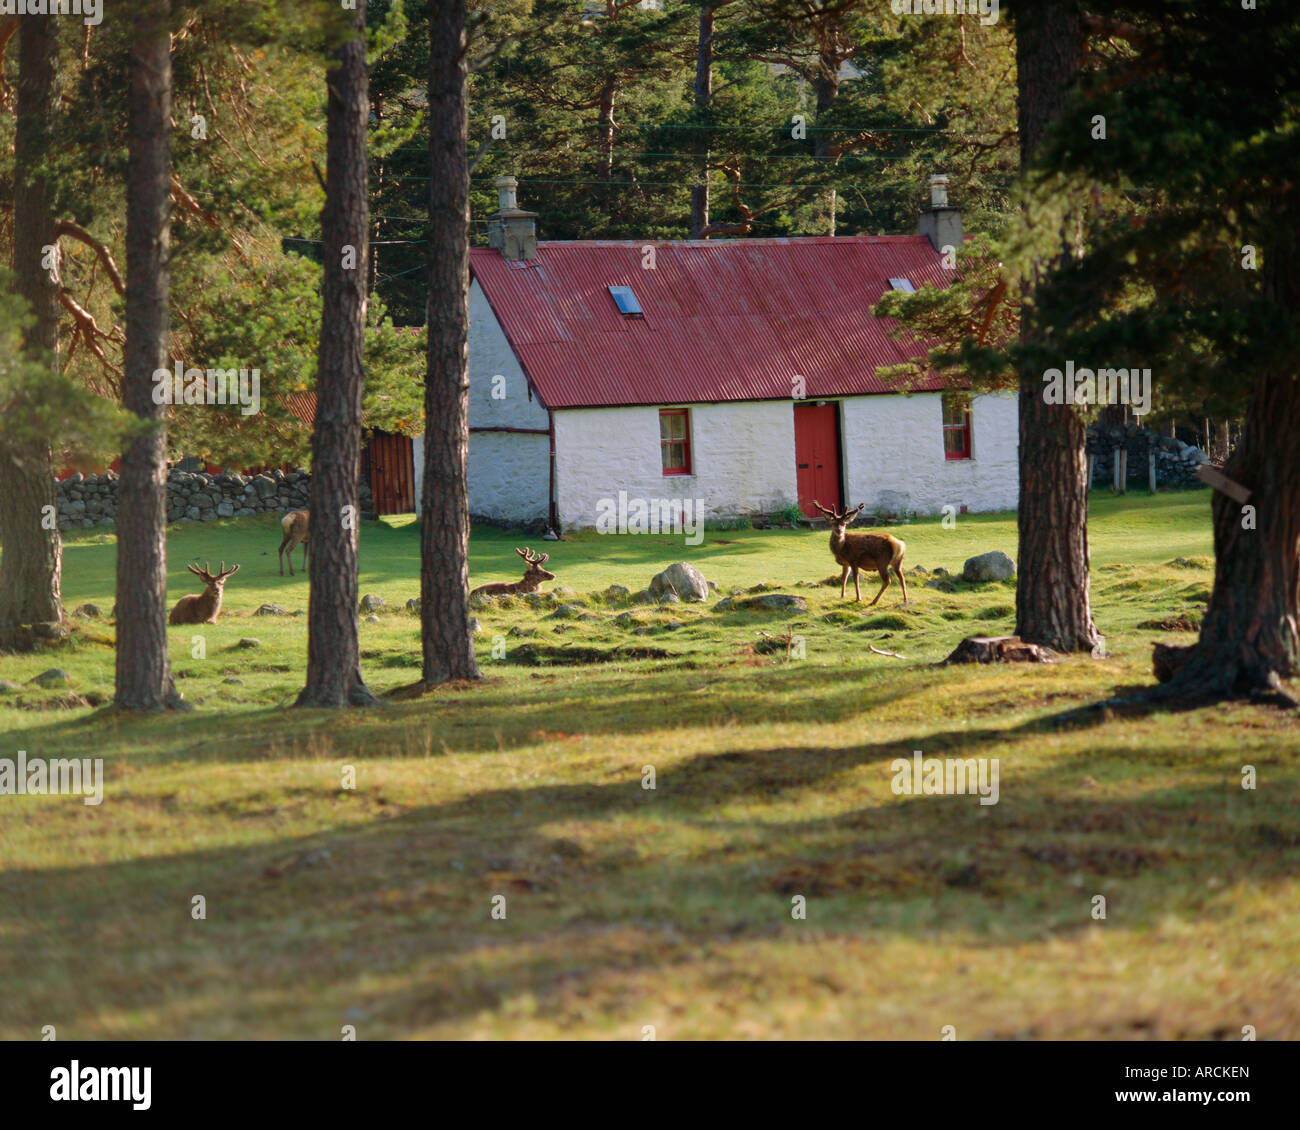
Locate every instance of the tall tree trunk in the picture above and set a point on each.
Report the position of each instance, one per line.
(144, 680)
(1250, 635)
(827, 87)
(1052, 597)
(606, 121)
(31, 560)
(333, 648)
(444, 509)
(703, 96)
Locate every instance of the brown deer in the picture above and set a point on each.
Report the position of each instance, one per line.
(882, 552)
(202, 607)
(534, 575)
(296, 529)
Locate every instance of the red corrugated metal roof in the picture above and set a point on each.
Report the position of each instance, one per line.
(302, 406)
(724, 319)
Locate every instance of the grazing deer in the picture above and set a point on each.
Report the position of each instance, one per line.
(534, 575)
(295, 525)
(202, 607)
(882, 552)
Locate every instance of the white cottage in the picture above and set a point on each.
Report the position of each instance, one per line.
(739, 373)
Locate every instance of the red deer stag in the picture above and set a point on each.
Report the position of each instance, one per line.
(882, 552)
(295, 525)
(202, 607)
(534, 575)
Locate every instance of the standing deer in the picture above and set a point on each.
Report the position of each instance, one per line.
(295, 525)
(534, 575)
(202, 607)
(882, 552)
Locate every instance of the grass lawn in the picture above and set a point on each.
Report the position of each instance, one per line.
(625, 906)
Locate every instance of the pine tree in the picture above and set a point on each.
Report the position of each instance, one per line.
(144, 681)
(31, 562)
(333, 648)
(447, 642)
(1202, 286)
(1052, 576)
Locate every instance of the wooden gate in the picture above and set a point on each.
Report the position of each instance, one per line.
(389, 462)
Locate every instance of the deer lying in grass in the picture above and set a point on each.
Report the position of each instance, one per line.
(295, 525)
(534, 575)
(882, 552)
(202, 607)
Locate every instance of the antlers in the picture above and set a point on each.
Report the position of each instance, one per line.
(848, 515)
(206, 575)
(527, 554)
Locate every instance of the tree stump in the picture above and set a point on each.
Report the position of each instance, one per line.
(1168, 659)
(999, 649)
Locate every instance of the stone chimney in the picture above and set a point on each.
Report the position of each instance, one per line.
(940, 223)
(511, 230)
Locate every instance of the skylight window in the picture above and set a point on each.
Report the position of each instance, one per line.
(903, 285)
(626, 301)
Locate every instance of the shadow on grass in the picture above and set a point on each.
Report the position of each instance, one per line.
(389, 915)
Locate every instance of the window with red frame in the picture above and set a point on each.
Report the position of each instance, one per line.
(956, 426)
(675, 440)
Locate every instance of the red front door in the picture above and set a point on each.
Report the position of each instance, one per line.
(817, 456)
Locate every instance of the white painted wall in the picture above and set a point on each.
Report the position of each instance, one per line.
(893, 454)
(742, 459)
(509, 474)
(490, 356)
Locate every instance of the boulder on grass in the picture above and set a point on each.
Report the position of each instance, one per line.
(766, 602)
(994, 566)
(683, 579)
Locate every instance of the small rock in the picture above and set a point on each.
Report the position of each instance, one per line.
(566, 612)
(232, 681)
(940, 584)
(413, 606)
(779, 600)
(474, 626)
(249, 642)
(88, 612)
(6, 687)
(993, 566)
(54, 677)
(372, 619)
(370, 602)
(772, 602)
(683, 579)
(670, 598)
(618, 590)
(270, 610)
